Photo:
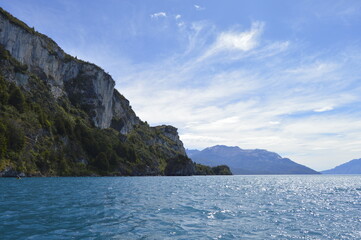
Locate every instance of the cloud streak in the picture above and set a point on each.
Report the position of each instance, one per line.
(243, 41)
(324, 109)
(239, 41)
(158, 15)
(198, 8)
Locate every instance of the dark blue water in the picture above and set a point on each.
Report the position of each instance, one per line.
(231, 207)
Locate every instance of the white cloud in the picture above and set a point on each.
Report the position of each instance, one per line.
(243, 41)
(199, 138)
(236, 41)
(199, 8)
(178, 16)
(158, 15)
(315, 70)
(324, 109)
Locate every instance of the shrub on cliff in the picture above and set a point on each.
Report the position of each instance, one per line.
(17, 99)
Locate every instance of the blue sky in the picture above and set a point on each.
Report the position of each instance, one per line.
(278, 75)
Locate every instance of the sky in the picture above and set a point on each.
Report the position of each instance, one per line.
(278, 75)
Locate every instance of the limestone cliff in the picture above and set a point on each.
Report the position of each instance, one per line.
(124, 117)
(87, 85)
(171, 133)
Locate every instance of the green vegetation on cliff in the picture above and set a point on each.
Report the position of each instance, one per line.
(218, 170)
(41, 135)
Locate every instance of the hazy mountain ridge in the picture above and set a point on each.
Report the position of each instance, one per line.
(351, 167)
(247, 161)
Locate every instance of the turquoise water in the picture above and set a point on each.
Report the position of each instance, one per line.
(217, 207)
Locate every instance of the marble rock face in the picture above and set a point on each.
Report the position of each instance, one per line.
(67, 76)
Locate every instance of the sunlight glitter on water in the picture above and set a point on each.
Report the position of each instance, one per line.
(214, 207)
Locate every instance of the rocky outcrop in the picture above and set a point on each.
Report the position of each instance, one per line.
(180, 166)
(87, 85)
(171, 133)
(161, 150)
(124, 117)
(10, 172)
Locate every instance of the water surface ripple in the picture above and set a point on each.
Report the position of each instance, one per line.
(204, 207)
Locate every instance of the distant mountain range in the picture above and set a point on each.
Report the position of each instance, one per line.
(351, 167)
(248, 161)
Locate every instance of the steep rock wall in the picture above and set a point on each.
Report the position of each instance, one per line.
(47, 60)
(171, 133)
(124, 117)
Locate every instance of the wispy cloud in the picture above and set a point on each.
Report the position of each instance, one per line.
(324, 109)
(242, 41)
(158, 15)
(199, 8)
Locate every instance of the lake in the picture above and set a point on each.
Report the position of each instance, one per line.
(198, 207)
